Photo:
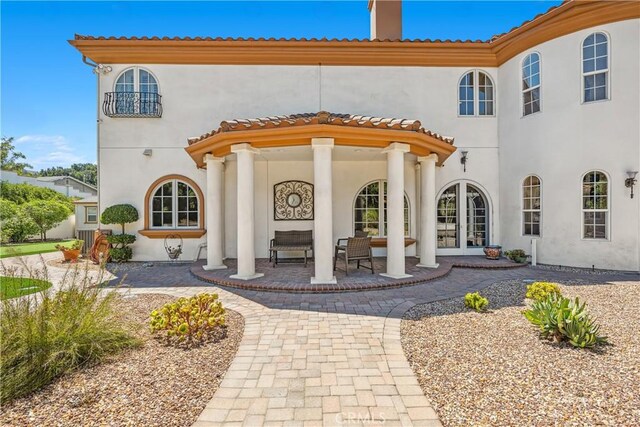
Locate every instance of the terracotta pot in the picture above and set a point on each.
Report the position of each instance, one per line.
(493, 251)
(71, 255)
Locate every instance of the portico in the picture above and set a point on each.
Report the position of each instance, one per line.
(394, 141)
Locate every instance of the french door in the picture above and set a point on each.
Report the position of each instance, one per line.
(462, 220)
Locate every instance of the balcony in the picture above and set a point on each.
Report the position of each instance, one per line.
(132, 104)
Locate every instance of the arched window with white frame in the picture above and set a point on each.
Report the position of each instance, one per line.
(531, 95)
(531, 206)
(137, 93)
(370, 210)
(595, 205)
(595, 67)
(476, 94)
(174, 204)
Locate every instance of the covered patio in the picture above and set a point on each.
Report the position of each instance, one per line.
(393, 138)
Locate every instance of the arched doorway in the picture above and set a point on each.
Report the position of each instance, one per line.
(462, 220)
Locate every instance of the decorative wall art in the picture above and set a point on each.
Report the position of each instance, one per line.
(293, 201)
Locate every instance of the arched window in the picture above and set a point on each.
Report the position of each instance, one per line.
(476, 95)
(595, 67)
(370, 209)
(531, 206)
(595, 205)
(531, 84)
(136, 93)
(174, 204)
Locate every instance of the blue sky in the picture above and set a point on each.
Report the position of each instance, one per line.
(48, 94)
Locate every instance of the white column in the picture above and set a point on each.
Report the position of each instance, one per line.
(215, 212)
(322, 210)
(395, 210)
(428, 211)
(245, 213)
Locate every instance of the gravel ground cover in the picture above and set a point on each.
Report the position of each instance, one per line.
(491, 369)
(150, 386)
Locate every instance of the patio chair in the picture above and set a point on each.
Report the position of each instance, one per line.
(356, 249)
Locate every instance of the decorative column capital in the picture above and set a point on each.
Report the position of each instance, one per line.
(244, 147)
(322, 142)
(211, 158)
(433, 157)
(397, 146)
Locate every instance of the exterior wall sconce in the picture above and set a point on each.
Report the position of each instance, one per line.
(147, 152)
(631, 181)
(102, 69)
(463, 160)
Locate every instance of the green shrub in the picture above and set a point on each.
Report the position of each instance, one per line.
(121, 239)
(516, 255)
(475, 301)
(44, 336)
(75, 246)
(189, 321)
(559, 319)
(119, 214)
(540, 290)
(8, 209)
(120, 254)
(18, 228)
(25, 193)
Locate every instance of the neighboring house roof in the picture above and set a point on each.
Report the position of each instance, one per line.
(61, 178)
(322, 117)
(570, 16)
(92, 200)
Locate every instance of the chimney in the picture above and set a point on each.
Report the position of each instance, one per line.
(386, 19)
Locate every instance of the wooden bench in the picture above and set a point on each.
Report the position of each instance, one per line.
(293, 240)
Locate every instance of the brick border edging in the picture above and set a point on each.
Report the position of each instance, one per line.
(342, 287)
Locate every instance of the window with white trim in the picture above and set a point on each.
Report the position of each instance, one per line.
(370, 210)
(595, 205)
(174, 205)
(531, 206)
(595, 67)
(531, 84)
(476, 96)
(136, 92)
(91, 214)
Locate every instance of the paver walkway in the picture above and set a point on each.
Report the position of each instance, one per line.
(326, 359)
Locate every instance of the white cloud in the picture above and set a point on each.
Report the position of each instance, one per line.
(45, 151)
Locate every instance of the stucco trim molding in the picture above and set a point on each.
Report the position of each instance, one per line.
(161, 233)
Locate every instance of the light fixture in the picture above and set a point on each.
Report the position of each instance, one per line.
(631, 180)
(463, 159)
(147, 152)
(102, 69)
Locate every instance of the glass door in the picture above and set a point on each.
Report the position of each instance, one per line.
(462, 221)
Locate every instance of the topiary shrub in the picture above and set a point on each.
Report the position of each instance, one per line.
(540, 290)
(561, 319)
(190, 321)
(475, 301)
(120, 214)
(516, 255)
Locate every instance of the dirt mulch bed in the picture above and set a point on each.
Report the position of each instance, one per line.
(151, 385)
(82, 264)
(491, 369)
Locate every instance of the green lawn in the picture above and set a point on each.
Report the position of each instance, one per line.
(20, 249)
(11, 287)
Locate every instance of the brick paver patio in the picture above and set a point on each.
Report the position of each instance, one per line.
(326, 359)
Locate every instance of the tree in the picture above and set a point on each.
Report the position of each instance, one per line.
(86, 172)
(24, 193)
(9, 157)
(8, 209)
(18, 227)
(120, 214)
(46, 214)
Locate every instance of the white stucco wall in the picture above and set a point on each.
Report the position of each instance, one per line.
(567, 139)
(559, 144)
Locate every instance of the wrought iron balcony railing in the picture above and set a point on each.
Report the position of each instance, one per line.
(132, 104)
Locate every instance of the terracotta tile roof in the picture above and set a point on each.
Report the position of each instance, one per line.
(495, 37)
(271, 39)
(322, 117)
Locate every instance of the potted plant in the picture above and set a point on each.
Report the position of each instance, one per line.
(493, 251)
(71, 253)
